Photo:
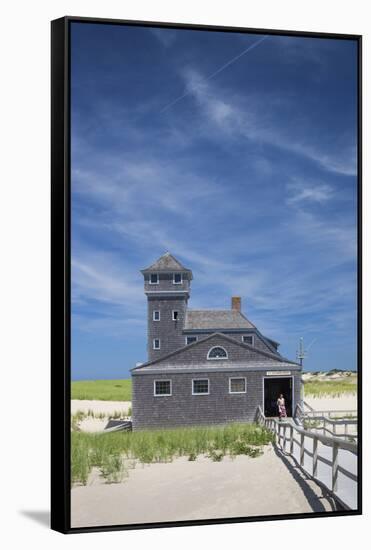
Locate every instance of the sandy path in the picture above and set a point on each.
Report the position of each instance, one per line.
(344, 402)
(108, 407)
(184, 490)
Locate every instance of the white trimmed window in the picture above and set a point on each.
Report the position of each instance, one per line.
(217, 352)
(162, 387)
(191, 339)
(153, 279)
(156, 315)
(156, 343)
(200, 386)
(248, 339)
(175, 315)
(237, 385)
(177, 278)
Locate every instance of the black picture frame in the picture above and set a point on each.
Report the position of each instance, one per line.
(61, 272)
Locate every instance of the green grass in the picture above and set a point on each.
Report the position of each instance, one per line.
(113, 453)
(104, 390)
(332, 388)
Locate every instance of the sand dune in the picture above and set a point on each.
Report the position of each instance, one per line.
(202, 489)
(109, 407)
(343, 402)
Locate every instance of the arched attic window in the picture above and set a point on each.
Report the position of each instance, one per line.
(217, 353)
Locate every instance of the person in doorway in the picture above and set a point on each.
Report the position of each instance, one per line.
(281, 406)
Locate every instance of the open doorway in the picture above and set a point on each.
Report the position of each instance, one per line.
(273, 387)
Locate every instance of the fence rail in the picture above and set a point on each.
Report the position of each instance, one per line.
(330, 413)
(329, 422)
(288, 434)
(310, 423)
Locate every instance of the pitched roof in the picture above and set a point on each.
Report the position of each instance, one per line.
(220, 366)
(274, 360)
(216, 319)
(166, 262)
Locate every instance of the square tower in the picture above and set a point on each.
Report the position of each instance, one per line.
(167, 287)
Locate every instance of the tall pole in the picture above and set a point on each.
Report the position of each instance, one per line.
(301, 355)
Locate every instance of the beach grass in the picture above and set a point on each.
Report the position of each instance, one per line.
(102, 390)
(330, 388)
(112, 452)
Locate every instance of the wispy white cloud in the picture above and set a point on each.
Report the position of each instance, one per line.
(123, 327)
(302, 192)
(99, 276)
(248, 118)
(332, 240)
(220, 69)
(124, 184)
(167, 37)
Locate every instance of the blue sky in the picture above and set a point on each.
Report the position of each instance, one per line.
(236, 154)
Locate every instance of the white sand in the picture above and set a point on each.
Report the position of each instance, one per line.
(344, 402)
(108, 407)
(184, 490)
(91, 424)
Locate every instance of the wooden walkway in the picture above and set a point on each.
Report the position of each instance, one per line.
(330, 460)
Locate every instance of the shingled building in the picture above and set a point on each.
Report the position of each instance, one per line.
(204, 366)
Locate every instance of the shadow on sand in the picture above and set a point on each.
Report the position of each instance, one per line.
(302, 479)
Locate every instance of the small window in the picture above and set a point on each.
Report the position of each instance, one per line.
(237, 385)
(177, 278)
(175, 315)
(162, 387)
(217, 353)
(156, 315)
(200, 387)
(153, 279)
(156, 343)
(248, 339)
(191, 339)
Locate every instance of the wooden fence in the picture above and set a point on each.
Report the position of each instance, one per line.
(332, 426)
(329, 421)
(288, 434)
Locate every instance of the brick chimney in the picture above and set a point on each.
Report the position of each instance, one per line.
(236, 303)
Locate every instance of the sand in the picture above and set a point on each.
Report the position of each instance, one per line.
(90, 424)
(344, 402)
(184, 490)
(108, 407)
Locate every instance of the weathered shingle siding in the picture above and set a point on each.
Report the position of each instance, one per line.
(168, 331)
(198, 353)
(165, 283)
(184, 409)
(259, 343)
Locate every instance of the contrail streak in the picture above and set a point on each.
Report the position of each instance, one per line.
(216, 72)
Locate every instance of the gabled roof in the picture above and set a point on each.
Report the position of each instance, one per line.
(274, 360)
(166, 263)
(217, 319)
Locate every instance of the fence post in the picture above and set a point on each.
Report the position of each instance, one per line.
(291, 440)
(284, 438)
(335, 468)
(315, 457)
(346, 429)
(301, 449)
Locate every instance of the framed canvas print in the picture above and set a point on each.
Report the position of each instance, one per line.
(206, 282)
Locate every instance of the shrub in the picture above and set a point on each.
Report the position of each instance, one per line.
(113, 469)
(107, 451)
